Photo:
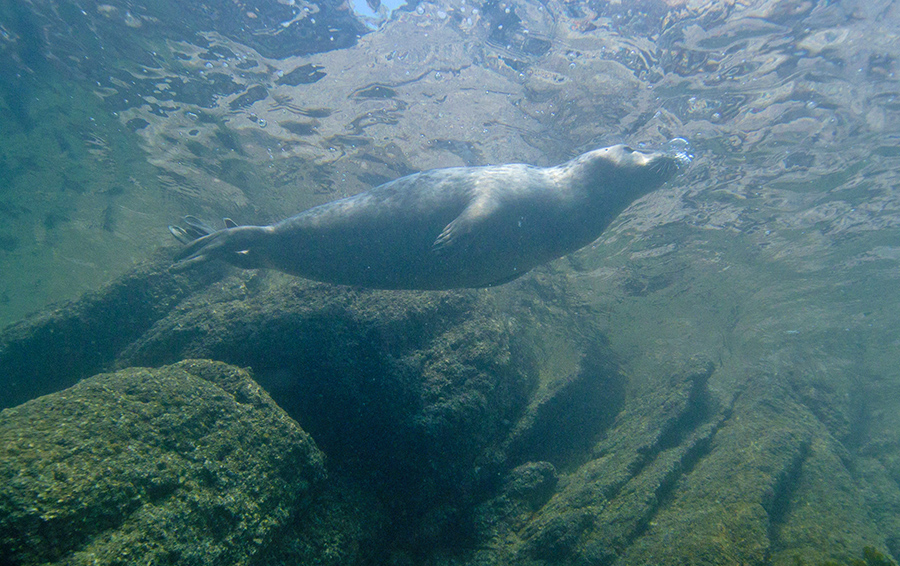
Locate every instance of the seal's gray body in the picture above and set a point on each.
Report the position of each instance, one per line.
(447, 228)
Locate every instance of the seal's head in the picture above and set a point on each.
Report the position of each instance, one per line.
(621, 164)
(616, 176)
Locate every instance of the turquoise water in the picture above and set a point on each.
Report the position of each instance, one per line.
(775, 255)
(118, 120)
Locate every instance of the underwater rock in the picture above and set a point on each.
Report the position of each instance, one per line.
(409, 392)
(604, 503)
(679, 478)
(191, 463)
(525, 489)
(565, 418)
(406, 392)
(472, 427)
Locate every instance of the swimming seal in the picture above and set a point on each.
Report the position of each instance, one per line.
(445, 228)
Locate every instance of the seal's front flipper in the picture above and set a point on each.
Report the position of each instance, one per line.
(458, 233)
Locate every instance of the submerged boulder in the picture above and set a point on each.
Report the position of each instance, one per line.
(191, 463)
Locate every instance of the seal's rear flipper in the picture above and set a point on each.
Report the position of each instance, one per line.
(237, 245)
(180, 234)
(195, 229)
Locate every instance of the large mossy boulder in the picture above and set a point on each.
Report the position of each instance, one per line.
(191, 463)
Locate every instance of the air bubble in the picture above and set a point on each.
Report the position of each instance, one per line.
(680, 149)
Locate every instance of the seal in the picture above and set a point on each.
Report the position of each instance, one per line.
(446, 228)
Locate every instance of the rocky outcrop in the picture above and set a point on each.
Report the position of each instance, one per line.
(191, 464)
(472, 426)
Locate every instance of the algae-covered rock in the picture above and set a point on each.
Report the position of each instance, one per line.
(407, 391)
(603, 504)
(190, 464)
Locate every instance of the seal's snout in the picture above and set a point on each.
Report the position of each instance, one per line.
(665, 167)
(675, 157)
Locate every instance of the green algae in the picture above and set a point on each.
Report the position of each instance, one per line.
(871, 557)
(190, 463)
